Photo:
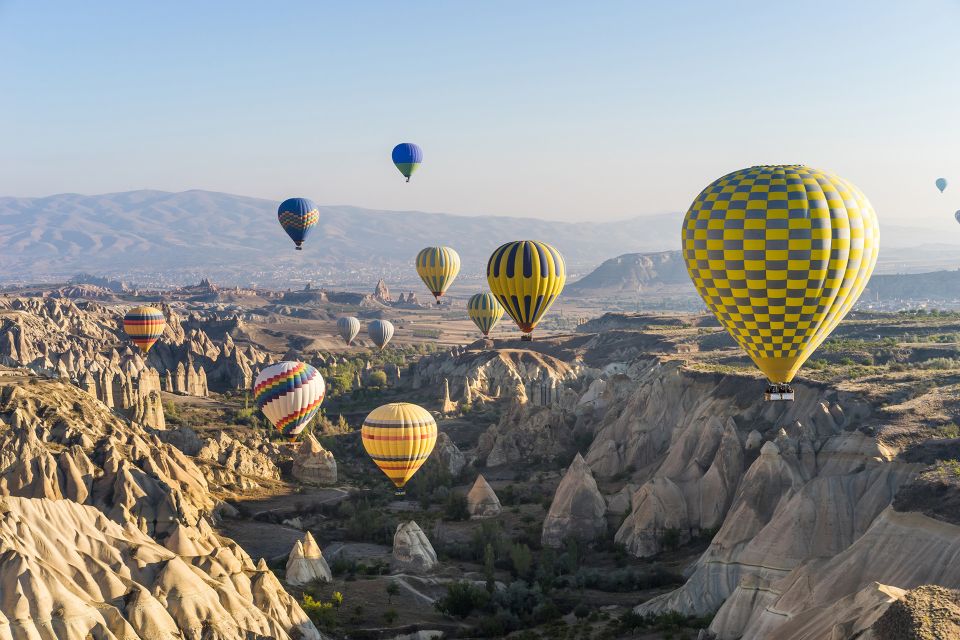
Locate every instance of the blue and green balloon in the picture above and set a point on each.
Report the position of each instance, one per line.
(407, 156)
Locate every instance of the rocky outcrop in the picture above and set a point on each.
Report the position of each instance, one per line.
(925, 612)
(412, 550)
(448, 455)
(312, 464)
(306, 563)
(69, 572)
(578, 509)
(63, 444)
(482, 502)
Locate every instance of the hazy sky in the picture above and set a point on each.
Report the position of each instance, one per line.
(574, 111)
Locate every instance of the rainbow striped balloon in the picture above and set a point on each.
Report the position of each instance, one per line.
(399, 437)
(144, 325)
(289, 394)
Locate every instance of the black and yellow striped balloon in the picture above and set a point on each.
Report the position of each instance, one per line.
(526, 276)
(485, 311)
(399, 437)
(437, 267)
(780, 254)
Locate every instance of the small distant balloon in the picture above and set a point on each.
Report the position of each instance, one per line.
(485, 311)
(956, 216)
(437, 267)
(348, 328)
(941, 184)
(298, 216)
(380, 331)
(407, 156)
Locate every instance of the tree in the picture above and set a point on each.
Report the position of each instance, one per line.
(378, 379)
(488, 568)
(337, 600)
(393, 589)
(521, 558)
(390, 616)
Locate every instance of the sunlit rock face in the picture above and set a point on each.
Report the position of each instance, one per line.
(105, 532)
(313, 464)
(306, 563)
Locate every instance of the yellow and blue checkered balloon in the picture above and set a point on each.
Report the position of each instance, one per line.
(780, 254)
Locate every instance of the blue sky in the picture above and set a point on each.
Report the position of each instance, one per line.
(559, 110)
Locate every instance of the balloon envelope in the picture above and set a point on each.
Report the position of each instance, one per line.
(399, 437)
(144, 325)
(298, 216)
(380, 331)
(407, 157)
(289, 394)
(526, 277)
(780, 254)
(348, 328)
(485, 311)
(437, 267)
(941, 184)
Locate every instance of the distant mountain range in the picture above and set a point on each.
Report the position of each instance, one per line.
(175, 238)
(236, 238)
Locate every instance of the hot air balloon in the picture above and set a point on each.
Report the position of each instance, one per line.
(144, 325)
(399, 437)
(526, 276)
(437, 267)
(780, 254)
(407, 156)
(941, 184)
(485, 311)
(348, 329)
(956, 216)
(297, 217)
(380, 331)
(289, 394)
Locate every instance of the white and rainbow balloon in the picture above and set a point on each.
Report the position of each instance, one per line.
(289, 394)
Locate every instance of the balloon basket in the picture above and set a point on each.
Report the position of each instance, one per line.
(778, 392)
(527, 337)
(299, 248)
(400, 493)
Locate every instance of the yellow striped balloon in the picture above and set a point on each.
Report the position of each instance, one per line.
(144, 325)
(399, 437)
(437, 267)
(526, 276)
(485, 311)
(780, 254)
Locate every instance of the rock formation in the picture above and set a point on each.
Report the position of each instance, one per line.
(306, 563)
(578, 509)
(412, 550)
(446, 453)
(482, 502)
(312, 464)
(71, 573)
(382, 292)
